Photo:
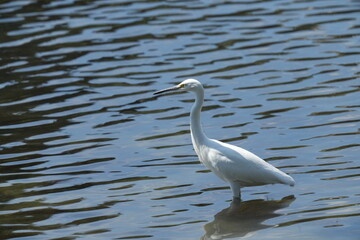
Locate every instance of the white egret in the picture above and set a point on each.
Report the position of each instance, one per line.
(235, 165)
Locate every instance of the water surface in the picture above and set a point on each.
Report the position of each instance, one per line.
(87, 152)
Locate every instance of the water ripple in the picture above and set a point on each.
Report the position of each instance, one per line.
(87, 151)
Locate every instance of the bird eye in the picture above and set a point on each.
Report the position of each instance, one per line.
(182, 85)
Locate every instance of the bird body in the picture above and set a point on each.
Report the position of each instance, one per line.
(235, 165)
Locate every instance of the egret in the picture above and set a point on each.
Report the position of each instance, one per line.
(235, 165)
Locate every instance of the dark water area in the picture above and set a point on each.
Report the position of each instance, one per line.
(87, 152)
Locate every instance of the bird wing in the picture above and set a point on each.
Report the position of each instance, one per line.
(233, 163)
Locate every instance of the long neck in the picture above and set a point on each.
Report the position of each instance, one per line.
(197, 134)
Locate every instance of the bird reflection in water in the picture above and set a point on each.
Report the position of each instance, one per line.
(244, 218)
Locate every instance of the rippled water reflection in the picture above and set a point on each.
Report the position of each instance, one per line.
(88, 152)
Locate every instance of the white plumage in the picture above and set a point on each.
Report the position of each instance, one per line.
(235, 165)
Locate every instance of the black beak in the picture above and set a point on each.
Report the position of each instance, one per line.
(167, 90)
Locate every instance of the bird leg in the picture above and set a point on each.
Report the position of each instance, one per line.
(235, 187)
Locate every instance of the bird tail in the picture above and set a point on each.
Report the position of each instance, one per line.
(289, 181)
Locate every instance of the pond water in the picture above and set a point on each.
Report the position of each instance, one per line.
(87, 152)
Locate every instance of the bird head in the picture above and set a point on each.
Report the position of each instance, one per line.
(190, 85)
